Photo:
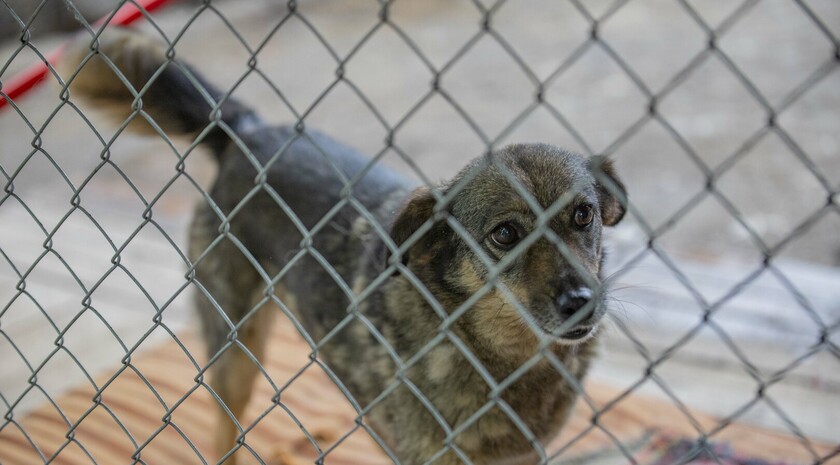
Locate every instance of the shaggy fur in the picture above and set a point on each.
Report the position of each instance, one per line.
(280, 239)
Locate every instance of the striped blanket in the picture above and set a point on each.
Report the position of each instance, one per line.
(156, 409)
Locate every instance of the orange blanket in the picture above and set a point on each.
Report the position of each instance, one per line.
(156, 412)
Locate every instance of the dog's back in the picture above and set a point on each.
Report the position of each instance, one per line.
(294, 182)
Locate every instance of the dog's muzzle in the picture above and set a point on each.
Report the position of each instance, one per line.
(577, 305)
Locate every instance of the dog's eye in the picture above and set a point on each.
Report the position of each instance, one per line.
(584, 215)
(505, 235)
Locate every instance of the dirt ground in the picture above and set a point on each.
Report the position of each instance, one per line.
(766, 188)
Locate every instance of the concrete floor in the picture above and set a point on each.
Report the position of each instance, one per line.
(706, 249)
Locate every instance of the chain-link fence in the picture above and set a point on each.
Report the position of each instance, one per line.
(721, 342)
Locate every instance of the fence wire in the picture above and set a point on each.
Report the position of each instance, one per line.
(18, 287)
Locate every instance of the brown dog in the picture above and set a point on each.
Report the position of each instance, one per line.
(461, 318)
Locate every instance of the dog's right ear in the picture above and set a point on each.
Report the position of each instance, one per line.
(613, 199)
(416, 210)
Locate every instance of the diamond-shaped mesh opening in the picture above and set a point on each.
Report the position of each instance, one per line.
(50, 379)
(16, 58)
(439, 34)
(138, 258)
(727, 239)
(738, 317)
(379, 84)
(69, 450)
(597, 98)
(681, 178)
(431, 153)
(39, 170)
(801, 280)
(371, 298)
(488, 69)
(66, 124)
(616, 415)
(828, 18)
(543, 120)
(21, 249)
(776, 25)
(65, 243)
(103, 415)
(537, 39)
(785, 407)
(124, 167)
(347, 103)
(800, 125)
(18, 131)
(159, 446)
(707, 354)
(715, 12)
(17, 442)
(304, 83)
(51, 274)
(91, 326)
(771, 217)
(19, 367)
(726, 106)
(632, 32)
(330, 21)
(640, 299)
(599, 9)
(120, 294)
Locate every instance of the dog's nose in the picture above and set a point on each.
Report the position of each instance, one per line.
(568, 303)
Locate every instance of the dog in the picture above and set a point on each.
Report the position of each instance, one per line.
(423, 302)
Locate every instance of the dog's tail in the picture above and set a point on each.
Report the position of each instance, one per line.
(130, 72)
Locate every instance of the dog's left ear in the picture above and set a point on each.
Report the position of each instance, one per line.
(416, 210)
(611, 192)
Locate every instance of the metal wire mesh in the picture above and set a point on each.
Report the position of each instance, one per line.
(769, 110)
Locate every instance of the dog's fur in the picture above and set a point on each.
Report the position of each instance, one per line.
(325, 273)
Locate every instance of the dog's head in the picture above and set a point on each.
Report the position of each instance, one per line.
(549, 259)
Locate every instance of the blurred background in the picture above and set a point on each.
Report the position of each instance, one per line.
(723, 118)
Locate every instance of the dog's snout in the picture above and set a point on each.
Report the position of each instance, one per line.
(568, 303)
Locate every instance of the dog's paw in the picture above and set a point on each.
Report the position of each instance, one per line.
(301, 452)
(321, 436)
(284, 457)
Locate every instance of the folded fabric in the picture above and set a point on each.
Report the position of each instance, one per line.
(669, 451)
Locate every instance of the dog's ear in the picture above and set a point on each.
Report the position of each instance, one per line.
(611, 192)
(416, 210)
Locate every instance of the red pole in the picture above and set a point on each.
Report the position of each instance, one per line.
(33, 75)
